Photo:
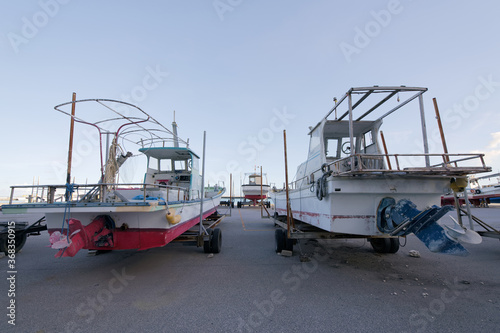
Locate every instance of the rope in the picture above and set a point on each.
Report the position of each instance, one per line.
(70, 188)
(112, 164)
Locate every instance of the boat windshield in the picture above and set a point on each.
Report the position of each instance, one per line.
(254, 180)
(167, 165)
(336, 148)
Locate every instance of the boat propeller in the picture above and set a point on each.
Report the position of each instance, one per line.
(462, 235)
(403, 218)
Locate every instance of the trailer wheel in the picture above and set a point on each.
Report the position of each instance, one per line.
(20, 240)
(394, 245)
(3, 243)
(216, 241)
(279, 238)
(385, 245)
(282, 241)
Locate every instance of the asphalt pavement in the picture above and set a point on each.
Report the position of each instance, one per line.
(326, 286)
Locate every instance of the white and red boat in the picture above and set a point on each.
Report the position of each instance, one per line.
(110, 215)
(255, 189)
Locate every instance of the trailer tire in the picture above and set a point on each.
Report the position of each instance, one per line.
(279, 240)
(20, 240)
(3, 243)
(282, 241)
(394, 245)
(216, 241)
(385, 245)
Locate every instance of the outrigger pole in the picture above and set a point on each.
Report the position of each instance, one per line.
(70, 150)
(288, 208)
(202, 229)
(440, 125)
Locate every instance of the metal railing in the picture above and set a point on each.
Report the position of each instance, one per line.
(374, 164)
(99, 192)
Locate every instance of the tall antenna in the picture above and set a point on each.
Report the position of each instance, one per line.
(174, 130)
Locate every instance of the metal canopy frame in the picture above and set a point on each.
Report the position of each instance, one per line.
(388, 93)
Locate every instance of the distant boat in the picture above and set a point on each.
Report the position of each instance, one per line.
(255, 189)
(478, 193)
(481, 193)
(348, 186)
(110, 215)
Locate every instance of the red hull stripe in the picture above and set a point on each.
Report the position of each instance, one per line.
(143, 239)
(255, 196)
(332, 217)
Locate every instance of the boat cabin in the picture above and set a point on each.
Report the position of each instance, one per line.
(254, 179)
(173, 166)
(337, 141)
(331, 141)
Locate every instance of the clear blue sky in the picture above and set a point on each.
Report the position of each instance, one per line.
(241, 70)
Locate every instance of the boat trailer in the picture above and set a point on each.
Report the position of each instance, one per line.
(208, 236)
(19, 231)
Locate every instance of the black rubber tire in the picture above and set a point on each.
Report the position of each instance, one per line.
(216, 243)
(207, 243)
(3, 244)
(394, 245)
(380, 245)
(279, 240)
(20, 241)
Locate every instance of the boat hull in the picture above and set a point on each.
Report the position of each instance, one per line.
(137, 226)
(255, 191)
(350, 206)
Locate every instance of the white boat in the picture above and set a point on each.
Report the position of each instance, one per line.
(484, 194)
(110, 215)
(255, 189)
(350, 186)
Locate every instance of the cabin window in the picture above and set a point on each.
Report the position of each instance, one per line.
(367, 142)
(180, 165)
(367, 139)
(315, 142)
(254, 180)
(166, 165)
(153, 163)
(331, 148)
